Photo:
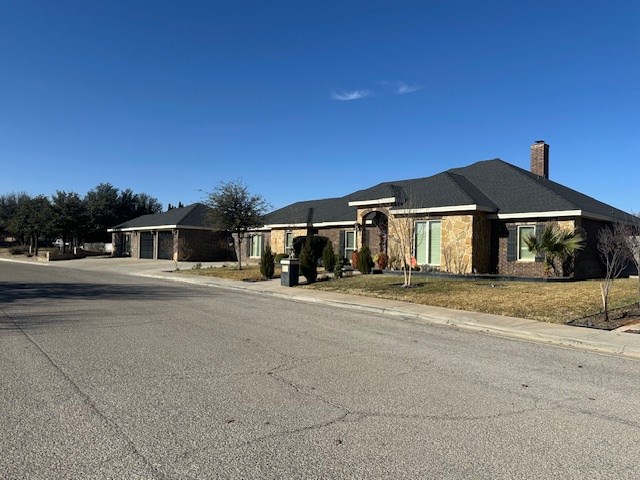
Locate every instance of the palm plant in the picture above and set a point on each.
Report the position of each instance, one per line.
(555, 243)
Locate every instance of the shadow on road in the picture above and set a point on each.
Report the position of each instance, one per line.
(13, 292)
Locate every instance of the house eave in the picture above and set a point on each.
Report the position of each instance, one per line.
(373, 203)
(158, 227)
(449, 209)
(555, 214)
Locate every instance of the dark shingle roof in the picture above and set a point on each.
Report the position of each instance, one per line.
(494, 185)
(313, 211)
(515, 190)
(194, 215)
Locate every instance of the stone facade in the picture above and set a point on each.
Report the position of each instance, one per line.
(457, 244)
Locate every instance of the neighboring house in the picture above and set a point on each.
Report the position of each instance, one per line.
(185, 231)
(464, 220)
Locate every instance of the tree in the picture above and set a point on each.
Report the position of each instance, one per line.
(308, 261)
(554, 244)
(267, 263)
(69, 217)
(365, 262)
(328, 257)
(103, 206)
(236, 210)
(615, 253)
(31, 220)
(401, 235)
(9, 205)
(633, 242)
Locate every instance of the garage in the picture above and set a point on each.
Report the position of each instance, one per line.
(146, 245)
(165, 245)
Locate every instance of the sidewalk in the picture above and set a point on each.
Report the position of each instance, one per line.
(613, 343)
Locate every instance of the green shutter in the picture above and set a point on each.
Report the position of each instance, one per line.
(435, 235)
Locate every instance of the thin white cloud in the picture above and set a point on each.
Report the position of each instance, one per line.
(354, 95)
(403, 88)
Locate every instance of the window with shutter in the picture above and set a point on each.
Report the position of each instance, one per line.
(512, 244)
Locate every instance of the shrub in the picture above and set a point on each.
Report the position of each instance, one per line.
(308, 262)
(317, 245)
(267, 263)
(17, 250)
(365, 262)
(197, 266)
(280, 256)
(328, 257)
(337, 269)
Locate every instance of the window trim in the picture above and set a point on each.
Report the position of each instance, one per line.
(355, 243)
(519, 251)
(252, 239)
(427, 241)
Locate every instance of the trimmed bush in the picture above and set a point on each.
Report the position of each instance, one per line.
(337, 269)
(365, 262)
(267, 263)
(328, 257)
(317, 245)
(308, 262)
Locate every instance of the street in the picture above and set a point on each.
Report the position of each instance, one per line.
(113, 376)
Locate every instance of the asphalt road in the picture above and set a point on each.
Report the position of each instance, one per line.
(106, 376)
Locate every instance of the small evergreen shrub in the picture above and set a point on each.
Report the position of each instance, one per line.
(17, 250)
(365, 262)
(317, 245)
(267, 263)
(308, 262)
(328, 257)
(337, 269)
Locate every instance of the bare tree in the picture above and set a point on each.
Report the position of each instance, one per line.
(615, 253)
(633, 241)
(401, 231)
(236, 210)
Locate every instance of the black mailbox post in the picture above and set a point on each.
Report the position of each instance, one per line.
(290, 272)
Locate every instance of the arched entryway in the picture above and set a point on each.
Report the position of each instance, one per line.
(375, 231)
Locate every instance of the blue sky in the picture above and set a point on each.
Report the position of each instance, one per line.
(306, 100)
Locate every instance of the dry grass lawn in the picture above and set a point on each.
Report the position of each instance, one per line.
(548, 302)
(231, 272)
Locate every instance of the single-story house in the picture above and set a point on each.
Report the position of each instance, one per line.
(185, 232)
(465, 220)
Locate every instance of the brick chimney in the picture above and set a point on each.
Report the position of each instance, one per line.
(540, 159)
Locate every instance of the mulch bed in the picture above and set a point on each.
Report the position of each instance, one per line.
(617, 318)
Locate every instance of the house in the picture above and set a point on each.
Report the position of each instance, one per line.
(465, 220)
(185, 232)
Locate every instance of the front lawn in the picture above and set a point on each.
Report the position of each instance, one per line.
(231, 272)
(548, 302)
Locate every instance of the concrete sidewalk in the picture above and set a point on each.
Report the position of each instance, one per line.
(613, 343)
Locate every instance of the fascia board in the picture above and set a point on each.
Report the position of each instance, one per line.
(378, 201)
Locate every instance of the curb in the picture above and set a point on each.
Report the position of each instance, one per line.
(626, 349)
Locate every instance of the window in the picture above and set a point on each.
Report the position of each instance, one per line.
(427, 242)
(349, 243)
(288, 241)
(524, 253)
(256, 246)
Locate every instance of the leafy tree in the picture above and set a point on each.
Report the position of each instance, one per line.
(365, 262)
(31, 220)
(554, 243)
(235, 209)
(103, 205)
(9, 205)
(267, 263)
(308, 262)
(328, 257)
(69, 217)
